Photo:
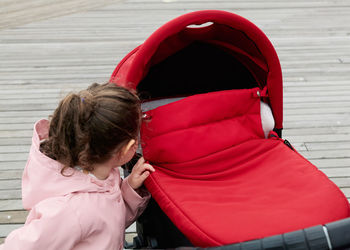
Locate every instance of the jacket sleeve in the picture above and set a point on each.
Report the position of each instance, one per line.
(135, 201)
(50, 225)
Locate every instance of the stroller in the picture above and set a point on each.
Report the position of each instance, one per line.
(219, 179)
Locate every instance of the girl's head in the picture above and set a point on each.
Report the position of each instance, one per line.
(92, 125)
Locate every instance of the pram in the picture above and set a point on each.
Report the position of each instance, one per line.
(218, 180)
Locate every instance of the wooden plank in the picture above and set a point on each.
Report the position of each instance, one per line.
(10, 184)
(25, 102)
(8, 228)
(10, 174)
(341, 138)
(305, 93)
(343, 117)
(11, 194)
(14, 148)
(300, 147)
(144, 6)
(11, 205)
(18, 126)
(131, 228)
(346, 191)
(24, 84)
(129, 237)
(317, 111)
(58, 78)
(337, 172)
(24, 114)
(13, 157)
(317, 100)
(8, 138)
(315, 76)
(322, 82)
(27, 11)
(309, 103)
(342, 182)
(13, 165)
(325, 154)
(31, 107)
(331, 162)
(30, 70)
(13, 217)
(287, 132)
(31, 96)
(327, 145)
(316, 124)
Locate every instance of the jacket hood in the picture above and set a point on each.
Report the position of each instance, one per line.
(42, 176)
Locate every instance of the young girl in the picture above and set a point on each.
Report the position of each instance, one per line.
(71, 183)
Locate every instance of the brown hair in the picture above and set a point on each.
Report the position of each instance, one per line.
(88, 126)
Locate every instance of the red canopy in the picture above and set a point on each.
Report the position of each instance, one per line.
(232, 32)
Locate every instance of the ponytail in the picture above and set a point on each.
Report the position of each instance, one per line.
(88, 126)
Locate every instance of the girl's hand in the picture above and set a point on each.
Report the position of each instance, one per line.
(139, 173)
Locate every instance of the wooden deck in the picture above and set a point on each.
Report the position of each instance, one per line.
(45, 51)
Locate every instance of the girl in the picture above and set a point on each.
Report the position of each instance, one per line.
(71, 185)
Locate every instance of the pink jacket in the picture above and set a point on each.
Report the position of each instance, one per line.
(76, 212)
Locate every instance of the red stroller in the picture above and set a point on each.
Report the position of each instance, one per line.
(218, 179)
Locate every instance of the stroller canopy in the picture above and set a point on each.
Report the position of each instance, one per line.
(183, 58)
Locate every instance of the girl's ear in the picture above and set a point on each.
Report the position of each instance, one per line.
(128, 146)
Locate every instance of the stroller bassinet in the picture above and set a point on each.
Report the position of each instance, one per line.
(218, 179)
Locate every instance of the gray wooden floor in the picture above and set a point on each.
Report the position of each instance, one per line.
(41, 60)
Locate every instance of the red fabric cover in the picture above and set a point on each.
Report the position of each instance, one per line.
(236, 32)
(221, 182)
